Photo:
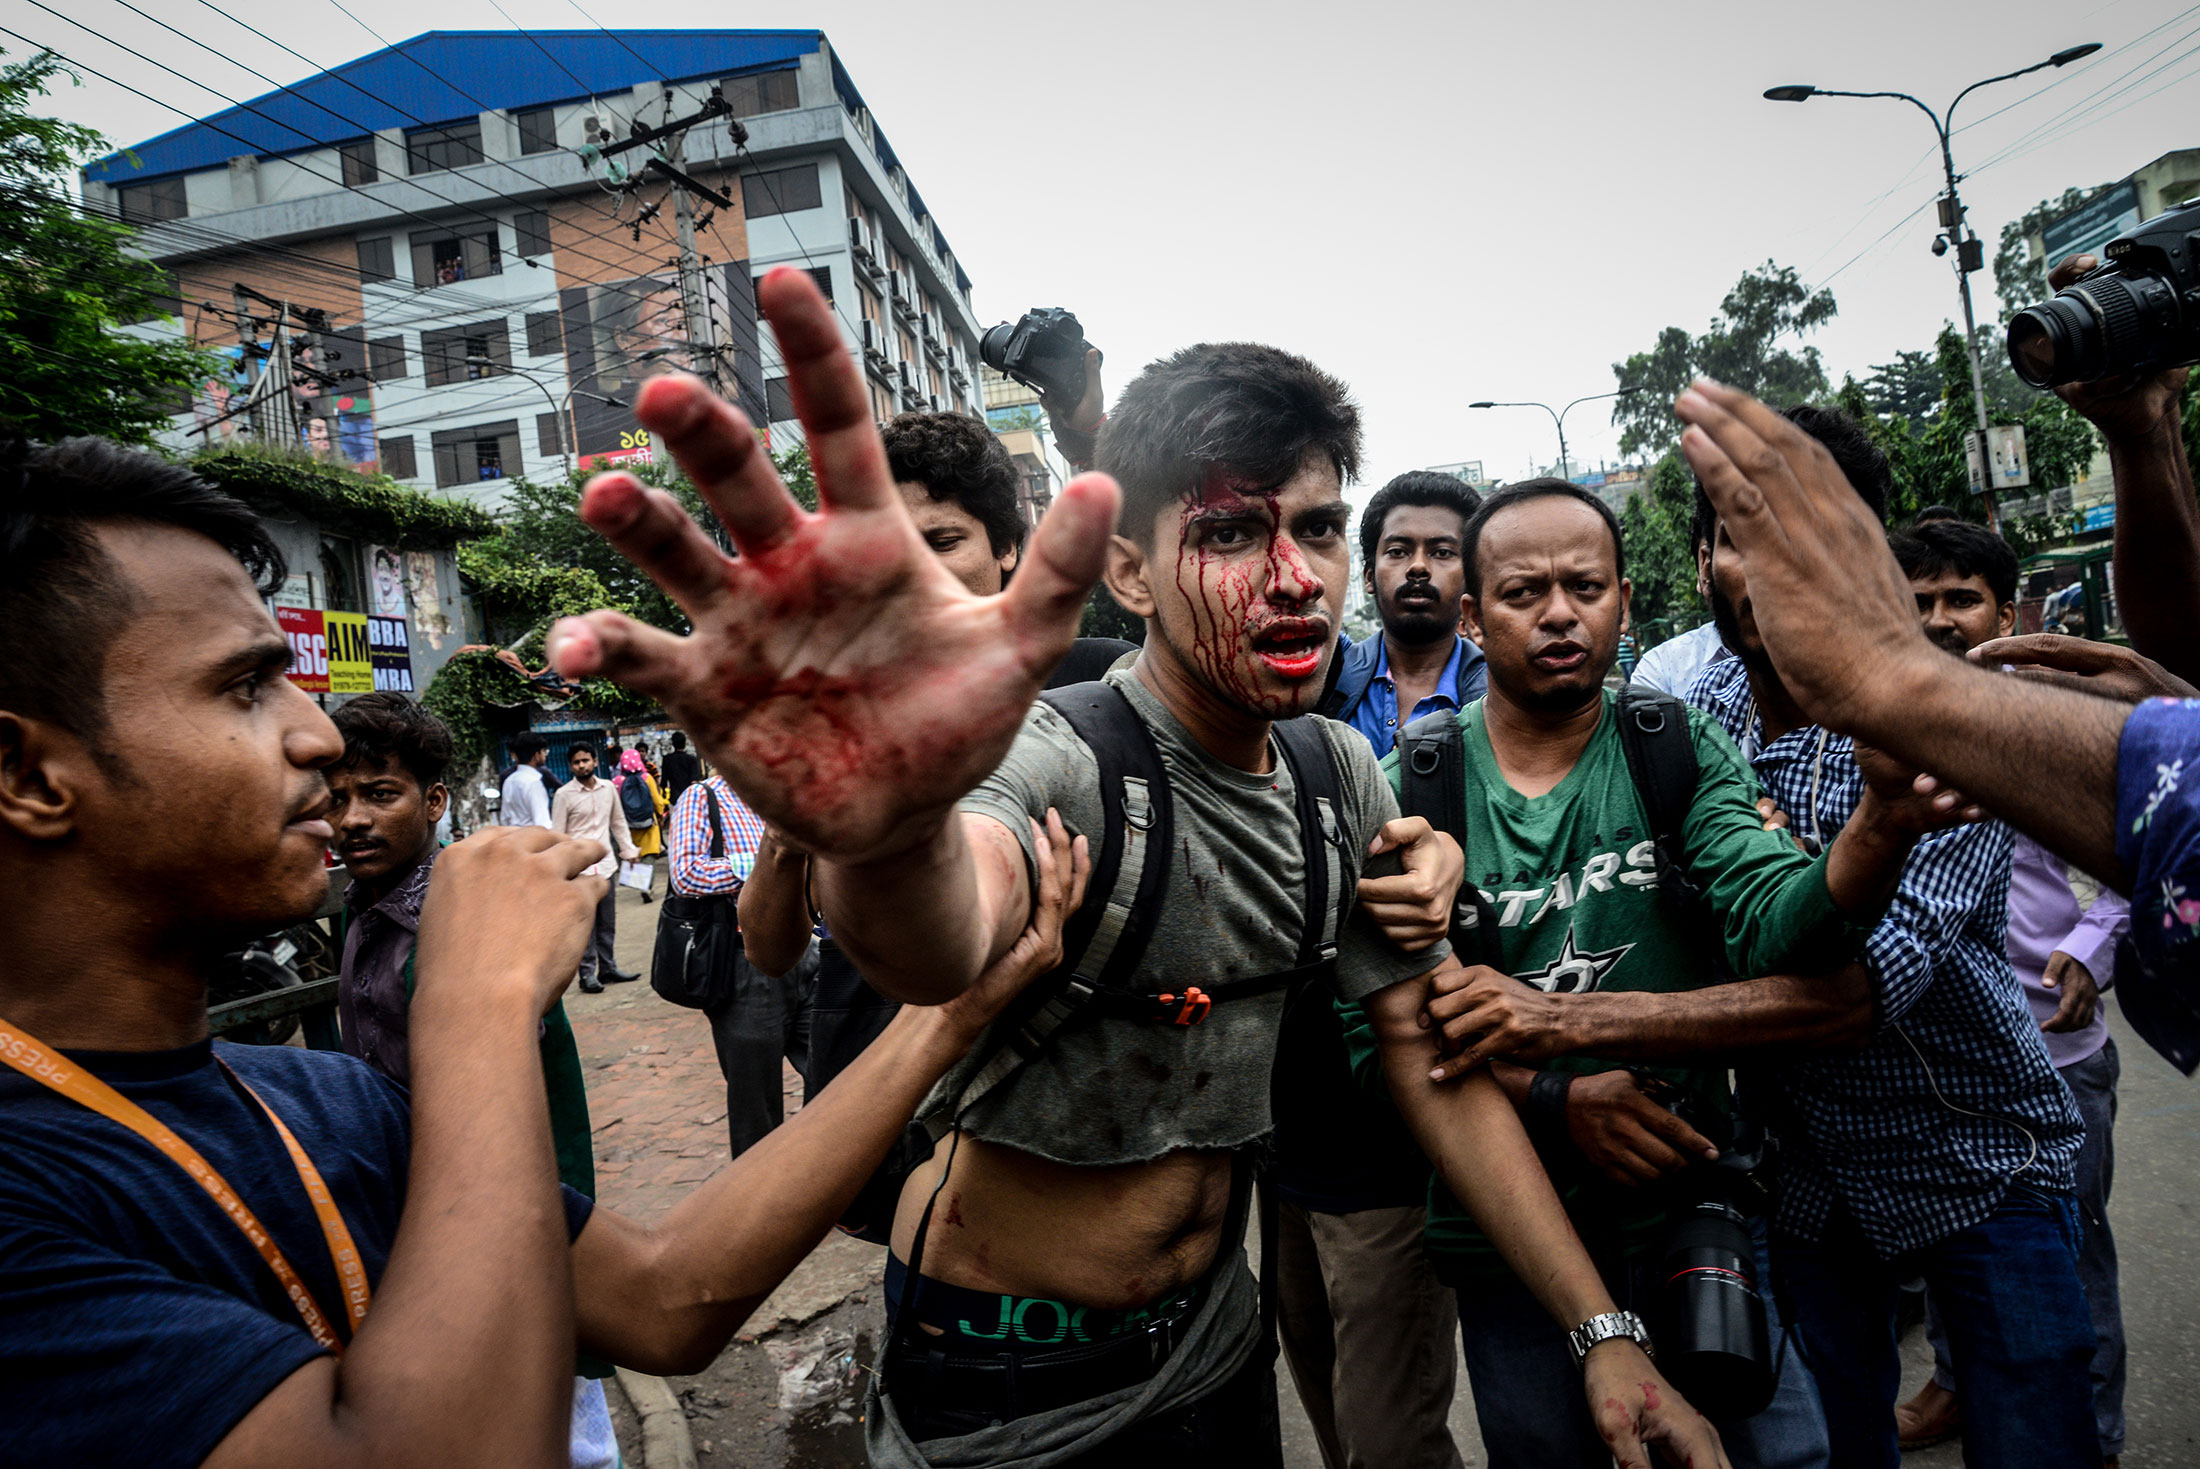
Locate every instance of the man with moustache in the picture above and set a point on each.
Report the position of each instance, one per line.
(1585, 968)
(386, 794)
(1081, 1292)
(2063, 949)
(588, 808)
(1945, 1148)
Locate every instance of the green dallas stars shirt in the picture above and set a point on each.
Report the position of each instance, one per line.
(1571, 880)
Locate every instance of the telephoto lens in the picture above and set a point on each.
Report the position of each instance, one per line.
(1713, 1341)
(2138, 313)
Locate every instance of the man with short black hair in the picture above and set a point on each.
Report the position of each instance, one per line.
(959, 486)
(1965, 580)
(681, 768)
(1410, 565)
(588, 808)
(525, 799)
(1945, 1147)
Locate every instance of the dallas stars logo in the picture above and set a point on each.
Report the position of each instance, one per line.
(1574, 971)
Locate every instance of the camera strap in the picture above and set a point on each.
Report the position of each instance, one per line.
(50, 1069)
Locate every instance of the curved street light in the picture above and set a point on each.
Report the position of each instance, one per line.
(1970, 250)
(1558, 415)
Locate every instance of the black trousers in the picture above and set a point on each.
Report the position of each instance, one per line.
(762, 1021)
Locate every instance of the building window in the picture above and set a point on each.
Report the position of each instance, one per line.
(822, 275)
(550, 434)
(340, 574)
(397, 457)
(531, 228)
(386, 359)
(453, 145)
(377, 261)
(360, 166)
(774, 91)
(779, 402)
(538, 130)
(440, 259)
(467, 456)
(461, 354)
(780, 190)
(153, 202)
(543, 337)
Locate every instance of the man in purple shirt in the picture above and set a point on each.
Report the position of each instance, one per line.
(2062, 946)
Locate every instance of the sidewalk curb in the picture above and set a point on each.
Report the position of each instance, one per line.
(666, 1443)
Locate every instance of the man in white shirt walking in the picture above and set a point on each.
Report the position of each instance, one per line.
(526, 798)
(587, 807)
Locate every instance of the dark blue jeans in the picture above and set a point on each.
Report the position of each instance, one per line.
(2018, 1331)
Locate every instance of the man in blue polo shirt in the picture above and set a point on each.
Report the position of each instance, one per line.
(1409, 555)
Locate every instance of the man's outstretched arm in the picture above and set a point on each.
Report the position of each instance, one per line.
(1838, 618)
(1470, 1131)
(846, 685)
(466, 1357)
(668, 1298)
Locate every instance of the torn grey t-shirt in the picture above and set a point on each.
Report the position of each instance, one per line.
(1113, 1091)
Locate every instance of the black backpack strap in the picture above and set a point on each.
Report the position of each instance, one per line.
(1661, 759)
(1432, 784)
(717, 826)
(1320, 800)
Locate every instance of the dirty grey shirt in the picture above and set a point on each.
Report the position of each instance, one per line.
(1122, 1091)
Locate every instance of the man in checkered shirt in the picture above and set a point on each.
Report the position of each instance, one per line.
(1945, 1147)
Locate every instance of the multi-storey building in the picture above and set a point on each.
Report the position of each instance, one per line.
(460, 289)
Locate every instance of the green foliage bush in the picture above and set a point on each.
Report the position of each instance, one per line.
(372, 507)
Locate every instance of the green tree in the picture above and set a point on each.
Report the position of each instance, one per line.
(1742, 347)
(1661, 559)
(66, 282)
(2020, 280)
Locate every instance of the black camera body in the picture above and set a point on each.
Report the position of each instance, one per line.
(2140, 312)
(1044, 350)
(1713, 1335)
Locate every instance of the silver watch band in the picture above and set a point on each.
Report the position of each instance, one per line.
(1604, 1328)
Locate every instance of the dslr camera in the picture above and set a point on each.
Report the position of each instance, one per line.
(2138, 313)
(1044, 350)
(1714, 1339)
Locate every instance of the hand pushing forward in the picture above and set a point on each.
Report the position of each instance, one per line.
(837, 674)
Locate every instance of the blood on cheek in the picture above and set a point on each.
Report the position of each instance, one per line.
(1227, 590)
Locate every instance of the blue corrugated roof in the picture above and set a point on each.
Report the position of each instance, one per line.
(406, 85)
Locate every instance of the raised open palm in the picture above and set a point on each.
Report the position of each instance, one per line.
(838, 675)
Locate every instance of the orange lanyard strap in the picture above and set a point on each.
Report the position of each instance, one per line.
(50, 1069)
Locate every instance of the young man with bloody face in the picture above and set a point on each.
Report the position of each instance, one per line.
(1585, 966)
(415, 1284)
(867, 705)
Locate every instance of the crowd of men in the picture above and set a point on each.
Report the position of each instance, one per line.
(1098, 957)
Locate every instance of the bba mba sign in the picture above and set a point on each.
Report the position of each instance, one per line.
(345, 652)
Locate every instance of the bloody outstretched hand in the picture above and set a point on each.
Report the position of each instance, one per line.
(837, 674)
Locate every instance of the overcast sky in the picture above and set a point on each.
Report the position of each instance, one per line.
(1437, 202)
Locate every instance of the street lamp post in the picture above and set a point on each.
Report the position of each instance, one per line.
(1970, 250)
(1558, 416)
(563, 411)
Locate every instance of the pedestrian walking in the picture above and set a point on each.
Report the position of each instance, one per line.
(589, 808)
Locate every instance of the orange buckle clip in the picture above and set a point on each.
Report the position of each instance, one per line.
(1193, 1006)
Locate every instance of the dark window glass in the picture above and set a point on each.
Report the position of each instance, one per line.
(549, 434)
(779, 399)
(386, 359)
(461, 354)
(543, 337)
(465, 456)
(153, 202)
(360, 166)
(397, 457)
(377, 260)
(452, 146)
(780, 190)
(818, 273)
(774, 91)
(538, 130)
(532, 227)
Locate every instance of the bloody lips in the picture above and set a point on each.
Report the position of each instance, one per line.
(1292, 646)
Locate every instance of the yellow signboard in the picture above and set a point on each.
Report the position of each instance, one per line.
(350, 663)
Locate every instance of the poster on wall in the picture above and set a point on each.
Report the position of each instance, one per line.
(390, 651)
(386, 580)
(329, 652)
(621, 334)
(330, 402)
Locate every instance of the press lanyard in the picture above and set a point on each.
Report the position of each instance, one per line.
(48, 1068)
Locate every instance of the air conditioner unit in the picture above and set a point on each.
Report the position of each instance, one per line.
(859, 241)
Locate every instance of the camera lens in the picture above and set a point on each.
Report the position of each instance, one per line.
(2104, 325)
(1713, 1341)
(993, 346)
(2055, 341)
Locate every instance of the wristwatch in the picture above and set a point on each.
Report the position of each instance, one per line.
(1605, 1327)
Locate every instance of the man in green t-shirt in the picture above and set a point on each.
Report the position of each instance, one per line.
(1559, 843)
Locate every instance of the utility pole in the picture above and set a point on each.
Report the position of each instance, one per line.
(702, 332)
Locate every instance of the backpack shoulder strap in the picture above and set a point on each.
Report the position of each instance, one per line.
(717, 825)
(1320, 799)
(1661, 759)
(1432, 784)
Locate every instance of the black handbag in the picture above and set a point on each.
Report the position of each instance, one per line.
(698, 938)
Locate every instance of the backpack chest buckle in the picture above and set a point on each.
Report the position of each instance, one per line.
(1189, 1008)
